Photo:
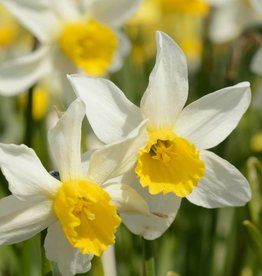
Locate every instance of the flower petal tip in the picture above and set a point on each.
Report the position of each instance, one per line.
(243, 84)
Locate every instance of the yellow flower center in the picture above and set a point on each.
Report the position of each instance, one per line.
(7, 34)
(8, 27)
(169, 164)
(90, 45)
(88, 218)
(186, 6)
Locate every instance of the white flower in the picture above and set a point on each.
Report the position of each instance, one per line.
(257, 60)
(256, 67)
(77, 207)
(175, 161)
(229, 18)
(257, 5)
(14, 40)
(72, 34)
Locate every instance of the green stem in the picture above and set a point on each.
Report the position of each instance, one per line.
(97, 267)
(148, 258)
(46, 266)
(29, 121)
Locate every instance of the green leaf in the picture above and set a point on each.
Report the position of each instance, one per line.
(255, 239)
(254, 175)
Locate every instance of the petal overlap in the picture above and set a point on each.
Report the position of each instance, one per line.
(18, 75)
(163, 209)
(117, 115)
(71, 261)
(31, 179)
(65, 139)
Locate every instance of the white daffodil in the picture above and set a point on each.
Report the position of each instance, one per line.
(257, 4)
(73, 35)
(256, 61)
(256, 67)
(230, 17)
(14, 40)
(174, 162)
(80, 208)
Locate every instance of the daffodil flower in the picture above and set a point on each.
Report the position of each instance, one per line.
(80, 207)
(73, 35)
(257, 59)
(14, 40)
(230, 17)
(257, 5)
(174, 162)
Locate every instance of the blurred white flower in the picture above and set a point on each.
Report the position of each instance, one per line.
(257, 4)
(80, 206)
(229, 18)
(14, 39)
(70, 37)
(174, 161)
(256, 62)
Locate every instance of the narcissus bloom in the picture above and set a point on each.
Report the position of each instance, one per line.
(230, 18)
(80, 206)
(257, 59)
(174, 162)
(14, 40)
(73, 35)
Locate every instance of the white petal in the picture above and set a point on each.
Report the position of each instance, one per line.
(219, 3)
(36, 17)
(257, 99)
(65, 142)
(25, 173)
(167, 90)
(93, 142)
(66, 9)
(164, 208)
(114, 12)
(18, 75)
(85, 159)
(209, 120)
(256, 63)
(21, 220)
(122, 51)
(257, 4)
(227, 21)
(116, 159)
(223, 185)
(69, 259)
(126, 199)
(111, 115)
(61, 67)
